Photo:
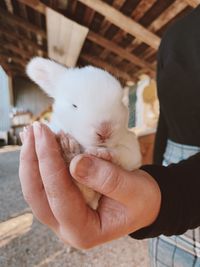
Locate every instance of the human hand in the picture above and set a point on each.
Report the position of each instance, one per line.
(130, 201)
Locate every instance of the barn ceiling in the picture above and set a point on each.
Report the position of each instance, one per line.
(123, 36)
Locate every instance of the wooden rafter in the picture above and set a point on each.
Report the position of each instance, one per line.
(21, 23)
(9, 5)
(102, 64)
(116, 17)
(118, 50)
(123, 22)
(193, 3)
(167, 15)
(105, 25)
(35, 4)
(104, 42)
(142, 7)
(127, 54)
(160, 21)
(17, 50)
(16, 38)
(9, 59)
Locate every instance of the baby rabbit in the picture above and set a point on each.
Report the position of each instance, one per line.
(91, 111)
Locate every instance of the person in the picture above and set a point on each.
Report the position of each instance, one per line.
(144, 203)
(179, 125)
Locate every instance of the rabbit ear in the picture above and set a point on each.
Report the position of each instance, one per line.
(45, 73)
(125, 97)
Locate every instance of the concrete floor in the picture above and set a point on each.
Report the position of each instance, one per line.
(24, 242)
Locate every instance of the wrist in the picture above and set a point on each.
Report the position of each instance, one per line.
(150, 198)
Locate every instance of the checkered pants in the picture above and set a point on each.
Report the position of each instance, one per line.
(183, 250)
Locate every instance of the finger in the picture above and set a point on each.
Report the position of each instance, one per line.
(65, 199)
(31, 182)
(21, 135)
(103, 176)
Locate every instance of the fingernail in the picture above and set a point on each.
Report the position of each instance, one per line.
(26, 131)
(21, 135)
(83, 167)
(37, 126)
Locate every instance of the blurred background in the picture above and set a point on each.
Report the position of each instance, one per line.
(121, 36)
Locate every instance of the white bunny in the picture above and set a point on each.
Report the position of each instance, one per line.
(91, 110)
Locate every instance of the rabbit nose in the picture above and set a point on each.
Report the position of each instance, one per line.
(103, 136)
(104, 131)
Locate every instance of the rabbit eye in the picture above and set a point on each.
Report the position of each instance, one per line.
(75, 106)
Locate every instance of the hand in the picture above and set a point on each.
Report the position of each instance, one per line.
(130, 201)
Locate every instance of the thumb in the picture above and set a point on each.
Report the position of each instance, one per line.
(103, 176)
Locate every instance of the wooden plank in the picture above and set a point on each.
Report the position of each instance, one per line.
(5, 66)
(11, 69)
(108, 44)
(148, 53)
(23, 53)
(118, 3)
(161, 20)
(123, 22)
(10, 59)
(137, 13)
(16, 38)
(88, 16)
(35, 4)
(193, 3)
(142, 8)
(65, 38)
(17, 21)
(9, 6)
(118, 50)
(102, 64)
(20, 52)
(105, 23)
(169, 13)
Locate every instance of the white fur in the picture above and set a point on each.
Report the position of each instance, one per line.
(98, 97)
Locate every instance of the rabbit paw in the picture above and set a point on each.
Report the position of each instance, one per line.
(103, 153)
(69, 146)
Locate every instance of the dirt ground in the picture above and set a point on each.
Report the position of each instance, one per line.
(24, 242)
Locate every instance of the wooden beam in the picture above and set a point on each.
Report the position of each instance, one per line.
(123, 22)
(65, 38)
(5, 66)
(17, 38)
(105, 25)
(167, 15)
(88, 16)
(23, 53)
(115, 71)
(9, 6)
(100, 40)
(193, 3)
(142, 7)
(10, 68)
(17, 21)
(35, 4)
(10, 59)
